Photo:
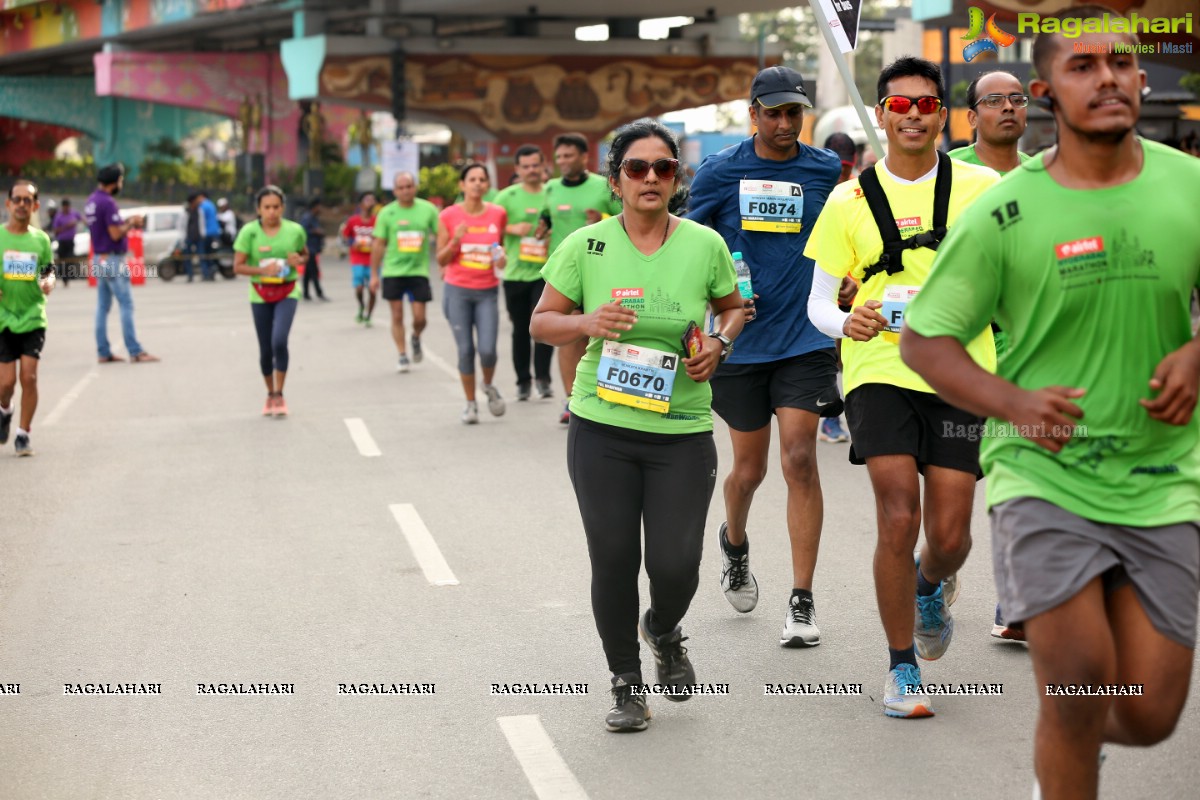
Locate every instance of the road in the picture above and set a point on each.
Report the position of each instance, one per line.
(166, 533)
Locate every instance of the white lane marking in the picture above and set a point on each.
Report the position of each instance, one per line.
(362, 438)
(548, 774)
(440, 363)
(70, 397)
(424, 548)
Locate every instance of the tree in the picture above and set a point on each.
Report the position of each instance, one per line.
(1191, 83)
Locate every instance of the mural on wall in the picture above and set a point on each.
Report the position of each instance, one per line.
(520, 95)
(33, 24)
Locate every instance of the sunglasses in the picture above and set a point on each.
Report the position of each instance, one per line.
(22, 201)
(638, 168)
(997, 100)
(899, 104)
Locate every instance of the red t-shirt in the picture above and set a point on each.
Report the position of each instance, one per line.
(472, 267)
(358, 230)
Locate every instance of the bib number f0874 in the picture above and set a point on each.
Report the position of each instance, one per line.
(771, 206)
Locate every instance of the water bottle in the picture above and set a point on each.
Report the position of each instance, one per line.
(745, 288)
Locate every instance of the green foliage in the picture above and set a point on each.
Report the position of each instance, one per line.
(958, 94)
(440, 181)
(1191, 83)
(84, 168)
(205, 175)
(164, 149)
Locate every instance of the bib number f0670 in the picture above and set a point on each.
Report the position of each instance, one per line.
(632, 375)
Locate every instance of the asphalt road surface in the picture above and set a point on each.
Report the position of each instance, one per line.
(167, 536)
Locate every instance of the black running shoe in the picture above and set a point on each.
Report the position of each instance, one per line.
(629, 712)
(671, 663)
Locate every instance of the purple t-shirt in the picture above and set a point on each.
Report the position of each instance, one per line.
(67, 220)
(100, 212)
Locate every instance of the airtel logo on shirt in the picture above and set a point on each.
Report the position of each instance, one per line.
(1079, 247)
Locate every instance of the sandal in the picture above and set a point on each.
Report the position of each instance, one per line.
(110, 359)
(143, 358)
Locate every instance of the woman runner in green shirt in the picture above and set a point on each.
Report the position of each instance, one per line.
(640, 443)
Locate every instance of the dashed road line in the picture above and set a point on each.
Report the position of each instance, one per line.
(545, 769)
(424, 548)
(70, 397)
(362, 438)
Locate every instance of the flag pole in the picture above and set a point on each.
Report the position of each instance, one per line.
(839, 58)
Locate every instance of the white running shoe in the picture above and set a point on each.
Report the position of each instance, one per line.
(403, 364)
(494, 400)
(900, 696)
(737, 581)
(800, 624)
(470, 414)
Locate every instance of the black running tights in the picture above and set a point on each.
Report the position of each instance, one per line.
(624, 478)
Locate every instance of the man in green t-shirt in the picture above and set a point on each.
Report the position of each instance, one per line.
(403, 231)
(523, 282)
(997, 103)
(27, 279)
(996, 111)
(574, 199)
(1087, 257)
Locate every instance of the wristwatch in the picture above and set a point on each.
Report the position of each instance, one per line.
(726, 345)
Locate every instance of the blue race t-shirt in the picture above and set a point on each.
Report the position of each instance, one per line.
(766, 209)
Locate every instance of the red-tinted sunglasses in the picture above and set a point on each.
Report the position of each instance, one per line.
(638, 168)
(899, 104)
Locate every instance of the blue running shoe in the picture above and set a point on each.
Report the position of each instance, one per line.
(902, 696)
(934, 626)
(832, 431)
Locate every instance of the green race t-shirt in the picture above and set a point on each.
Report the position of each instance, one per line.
(26, 255)
(568, 205)
(666, 290)
(1093, 288)
(968, 155)
(258, 247)
(526, 255)
(408, 233)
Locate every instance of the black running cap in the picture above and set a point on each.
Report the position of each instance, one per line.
(778, 86)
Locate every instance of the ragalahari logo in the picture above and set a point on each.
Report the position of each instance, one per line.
(983, 39)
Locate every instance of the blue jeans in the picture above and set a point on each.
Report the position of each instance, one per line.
(112, 279)
(201, 247)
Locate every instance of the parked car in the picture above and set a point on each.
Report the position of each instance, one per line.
(163, 234)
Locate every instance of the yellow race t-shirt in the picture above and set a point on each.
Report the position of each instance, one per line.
(846, 240)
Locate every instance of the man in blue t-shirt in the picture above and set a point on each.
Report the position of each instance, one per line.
(763, 196)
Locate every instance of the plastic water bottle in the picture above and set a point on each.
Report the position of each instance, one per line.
(745, 288)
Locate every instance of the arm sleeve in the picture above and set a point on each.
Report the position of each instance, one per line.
(822, 304)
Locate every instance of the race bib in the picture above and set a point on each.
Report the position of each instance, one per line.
(535, 251)
(636, 376)
(273, 264)
(410, 241)
(19, 266)
(363, 242)
(895, 301)
(771, 206)
(476, 256)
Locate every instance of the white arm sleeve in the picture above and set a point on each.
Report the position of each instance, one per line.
(822, 304)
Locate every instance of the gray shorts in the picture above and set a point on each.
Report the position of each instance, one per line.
(1044, 555)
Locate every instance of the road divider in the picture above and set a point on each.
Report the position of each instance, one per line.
(424, 548)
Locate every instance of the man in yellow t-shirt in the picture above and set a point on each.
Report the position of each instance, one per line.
(898, 426)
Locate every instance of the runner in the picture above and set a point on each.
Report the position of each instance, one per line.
(1092, 449)
(403, 230)
(997, 103)
(763, 196)
(574, 199)
(469, 254)
(64, 226)
(358, 230)
(270, 250)
(633, 454)
(898, 427)
(523, 202)
(26, 282)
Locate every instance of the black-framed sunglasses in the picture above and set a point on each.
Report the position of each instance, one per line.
(997, 100)
(638, 168)
(899, 104)
(22, 201)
